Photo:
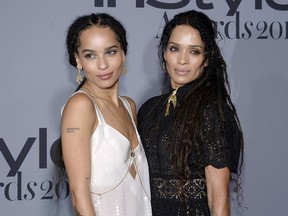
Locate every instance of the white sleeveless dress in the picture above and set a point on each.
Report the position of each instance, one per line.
(114, 191)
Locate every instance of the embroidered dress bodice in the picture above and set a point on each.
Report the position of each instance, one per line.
(155, 128)
(114, 190)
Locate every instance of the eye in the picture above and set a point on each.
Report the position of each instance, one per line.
(111, 52)
(89, 55)
(173, 49)
(195, 52)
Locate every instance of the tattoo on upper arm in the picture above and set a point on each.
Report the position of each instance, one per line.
(72, 130)
(76, 212)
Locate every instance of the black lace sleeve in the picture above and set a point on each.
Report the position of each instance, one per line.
(222, 141)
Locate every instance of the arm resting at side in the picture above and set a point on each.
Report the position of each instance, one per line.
(217, 181)
(78, 123)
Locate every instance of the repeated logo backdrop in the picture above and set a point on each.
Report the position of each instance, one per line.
(36, 80)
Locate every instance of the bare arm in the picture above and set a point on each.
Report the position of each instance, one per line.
(78, 123)
(217, 181)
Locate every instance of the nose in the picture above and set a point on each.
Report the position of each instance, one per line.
(102, 63)
(183, 58)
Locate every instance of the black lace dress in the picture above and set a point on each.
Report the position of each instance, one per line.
(154, 128)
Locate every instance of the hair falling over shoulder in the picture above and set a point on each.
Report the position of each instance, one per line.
(210, 89)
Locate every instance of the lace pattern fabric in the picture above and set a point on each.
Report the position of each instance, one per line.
(220, 145)
(168, 189)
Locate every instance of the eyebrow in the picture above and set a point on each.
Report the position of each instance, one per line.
(192, 46)
(108, 48)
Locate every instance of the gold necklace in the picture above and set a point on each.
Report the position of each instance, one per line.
(132, 162)
(171, 99)
(132, 153)
(93, 94)
(107, 191)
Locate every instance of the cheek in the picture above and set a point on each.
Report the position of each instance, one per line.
(170, 59)
(199, 69)
(118, 63)
(89, 68)
(170, 63)
(198, 63)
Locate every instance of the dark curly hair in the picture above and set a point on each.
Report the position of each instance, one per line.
(210, 87)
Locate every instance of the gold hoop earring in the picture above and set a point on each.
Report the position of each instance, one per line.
(79, 78)
(124, 69)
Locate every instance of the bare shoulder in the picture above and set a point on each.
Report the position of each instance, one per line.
(79, 102)
(79, 106)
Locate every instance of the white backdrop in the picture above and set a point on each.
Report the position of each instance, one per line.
(36, 79)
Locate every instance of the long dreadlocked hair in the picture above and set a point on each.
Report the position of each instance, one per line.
(211, 86)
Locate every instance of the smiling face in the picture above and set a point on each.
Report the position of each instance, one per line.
(184, 55)
(101, 57)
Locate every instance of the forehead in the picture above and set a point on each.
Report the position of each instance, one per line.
(185, 34)
(98, 35)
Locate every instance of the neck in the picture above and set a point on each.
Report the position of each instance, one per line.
(107, 94)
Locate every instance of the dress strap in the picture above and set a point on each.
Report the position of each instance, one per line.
(99, 115)
(128, 108)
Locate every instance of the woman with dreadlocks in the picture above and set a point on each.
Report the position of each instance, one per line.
(191, 134)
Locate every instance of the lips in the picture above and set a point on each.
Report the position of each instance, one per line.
(105, 76)
(181, 72)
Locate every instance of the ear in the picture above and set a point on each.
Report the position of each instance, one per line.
(164, 56)
(206, 63)
(123, 57)
(164, 62)
(78, 61)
